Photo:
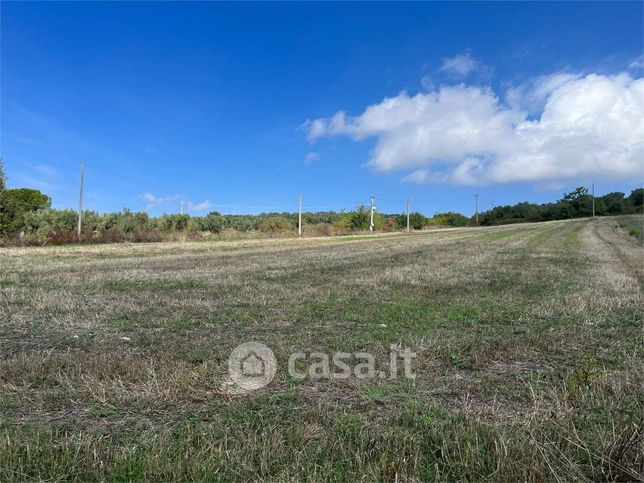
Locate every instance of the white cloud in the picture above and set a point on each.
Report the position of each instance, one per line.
(148, 197)
(153, 201)
(427, 83)
(638, 63)
(199, 206)
(421, 176)
(459, 65)
(590, 126)
(532, 95)
(311, 158)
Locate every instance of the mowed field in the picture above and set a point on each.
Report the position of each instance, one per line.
(113, 359)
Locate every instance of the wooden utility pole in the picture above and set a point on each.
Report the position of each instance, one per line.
(408, 215)
(299, 215)
(593, 188)
(80, 201)
(477, 208)
(373, 208)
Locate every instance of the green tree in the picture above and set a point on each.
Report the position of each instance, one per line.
(15, 204)
(29, 198)
(360, 218)
(577, 194)
(580, 203)
(615, 203)
(3, 177)
(637, 197)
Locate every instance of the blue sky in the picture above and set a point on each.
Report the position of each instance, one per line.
(230, 107)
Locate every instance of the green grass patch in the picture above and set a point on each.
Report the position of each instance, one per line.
(497, 235)
(633, 225)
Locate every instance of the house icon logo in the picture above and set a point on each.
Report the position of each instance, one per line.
(252, 365)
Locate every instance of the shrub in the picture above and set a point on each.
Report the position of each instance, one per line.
(360, 218)
(449, 219)
(52, 221)
(390, 224)
(274, 225)
(321, 229)
(379, 221)
(230, 234)
(342, 224)
(212, 222)
(417, 221)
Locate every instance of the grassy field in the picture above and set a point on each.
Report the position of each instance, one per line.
(633, 225)
(113, 359)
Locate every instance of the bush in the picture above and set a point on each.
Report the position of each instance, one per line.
(52, 221)
(379, 221)
(212, 222)
(342, 224)
(390, 224)
(230, 234)
(449, 219)
(417, 221)
(274, 225)
(360, 218)
(321, 229)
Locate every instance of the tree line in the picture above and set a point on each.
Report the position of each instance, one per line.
(576, 204)
(26, 216)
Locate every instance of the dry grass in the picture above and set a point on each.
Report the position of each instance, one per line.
(113, 362)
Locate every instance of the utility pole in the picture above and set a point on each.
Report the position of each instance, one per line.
(408, 215)
(80, 201)
(299, 215)
(593, 188)
(181, 208)
(373, 208)
(477, 207)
